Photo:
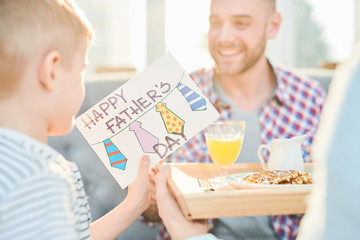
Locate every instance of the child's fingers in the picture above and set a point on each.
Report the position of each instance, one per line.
(157, 168)
(144, 165)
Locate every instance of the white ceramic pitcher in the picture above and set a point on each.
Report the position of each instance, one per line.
(285, 154)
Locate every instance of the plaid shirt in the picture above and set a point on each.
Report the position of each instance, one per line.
(294, 110)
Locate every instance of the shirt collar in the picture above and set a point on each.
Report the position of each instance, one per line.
(282, 92)
(208, 86)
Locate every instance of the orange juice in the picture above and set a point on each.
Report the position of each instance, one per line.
(224, 151)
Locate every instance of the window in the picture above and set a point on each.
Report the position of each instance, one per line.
(120, 33)
(186, 26)
(312, 32)
(133, 33)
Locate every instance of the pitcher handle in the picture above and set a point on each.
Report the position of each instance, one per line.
(262, 160)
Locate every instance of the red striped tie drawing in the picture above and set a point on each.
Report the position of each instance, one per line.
(117, 159)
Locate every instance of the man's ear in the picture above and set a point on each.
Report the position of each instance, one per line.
(49, 70)
(274, 25)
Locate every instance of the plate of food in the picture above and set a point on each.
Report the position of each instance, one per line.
(271, 179)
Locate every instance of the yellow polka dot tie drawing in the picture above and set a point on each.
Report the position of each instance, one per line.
(173, 123)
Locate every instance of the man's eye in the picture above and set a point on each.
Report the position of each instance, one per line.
(241, 24)
(215, 24)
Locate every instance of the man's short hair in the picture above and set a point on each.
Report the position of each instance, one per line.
(31, 28)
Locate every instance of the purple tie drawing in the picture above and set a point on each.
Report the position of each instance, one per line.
(196, 102)
(117, 159)
(146, 139)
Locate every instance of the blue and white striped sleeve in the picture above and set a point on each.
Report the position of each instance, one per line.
(38, 208)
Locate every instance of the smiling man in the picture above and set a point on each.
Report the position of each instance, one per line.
(245, 85)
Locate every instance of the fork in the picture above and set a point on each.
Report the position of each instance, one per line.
(205, 184)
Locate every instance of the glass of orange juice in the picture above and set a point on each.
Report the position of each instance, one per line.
(224, 142)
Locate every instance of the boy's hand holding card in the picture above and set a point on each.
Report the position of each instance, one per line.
(153, 113)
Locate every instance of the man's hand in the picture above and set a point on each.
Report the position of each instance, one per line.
(151, 214)
(175, 222)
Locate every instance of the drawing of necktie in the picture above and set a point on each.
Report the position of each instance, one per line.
(146, 139)
(196, 102)
(117, 159)
(173, 123)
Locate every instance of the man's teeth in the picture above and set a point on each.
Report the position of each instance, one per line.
(228, 52)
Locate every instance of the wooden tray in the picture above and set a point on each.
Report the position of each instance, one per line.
(227, 201)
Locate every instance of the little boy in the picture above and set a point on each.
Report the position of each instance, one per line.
(43, 47)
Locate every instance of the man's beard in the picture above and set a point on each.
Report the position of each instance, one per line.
(249, 59)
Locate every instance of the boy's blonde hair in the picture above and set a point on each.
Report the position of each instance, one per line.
(32, 28)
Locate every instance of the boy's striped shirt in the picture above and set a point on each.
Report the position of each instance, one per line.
(41, 194)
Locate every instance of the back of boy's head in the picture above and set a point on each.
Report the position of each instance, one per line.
(29, 29)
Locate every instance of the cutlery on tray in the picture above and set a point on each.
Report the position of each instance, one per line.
(205, 184)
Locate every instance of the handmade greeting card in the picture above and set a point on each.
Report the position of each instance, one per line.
(153, 113)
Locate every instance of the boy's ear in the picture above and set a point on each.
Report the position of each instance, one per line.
(49, 70)
(274, 25)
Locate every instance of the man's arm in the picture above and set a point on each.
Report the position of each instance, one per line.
(151, 214)
(175, 222)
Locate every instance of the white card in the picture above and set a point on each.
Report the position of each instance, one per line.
(153, 113)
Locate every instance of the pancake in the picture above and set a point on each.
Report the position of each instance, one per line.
(278, 177)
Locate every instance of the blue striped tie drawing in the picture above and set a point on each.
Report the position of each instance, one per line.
(117, 159)
(196, 102)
